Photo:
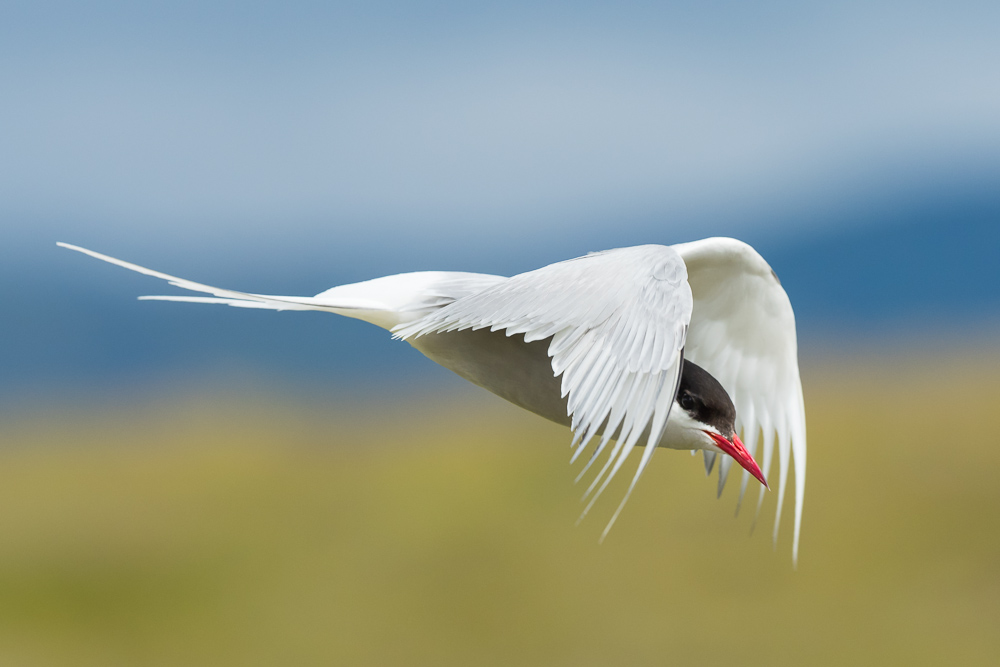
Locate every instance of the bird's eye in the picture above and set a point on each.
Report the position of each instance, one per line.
(686, 401)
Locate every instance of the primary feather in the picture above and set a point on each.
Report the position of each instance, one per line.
(743, 333)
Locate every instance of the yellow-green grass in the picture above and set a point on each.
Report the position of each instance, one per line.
(228, 531)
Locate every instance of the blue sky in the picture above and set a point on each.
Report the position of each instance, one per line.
(155, 120)
(292, 146)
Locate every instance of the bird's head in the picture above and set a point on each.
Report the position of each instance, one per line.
(708, 417)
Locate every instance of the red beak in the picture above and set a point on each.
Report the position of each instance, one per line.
(736, 449)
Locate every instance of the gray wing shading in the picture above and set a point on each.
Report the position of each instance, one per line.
(743, 333)
(617, 321)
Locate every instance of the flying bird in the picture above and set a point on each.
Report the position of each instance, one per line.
(684, 346)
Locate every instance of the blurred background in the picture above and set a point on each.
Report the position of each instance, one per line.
(186, 484)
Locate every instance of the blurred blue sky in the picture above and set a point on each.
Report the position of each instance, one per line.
(289, 147)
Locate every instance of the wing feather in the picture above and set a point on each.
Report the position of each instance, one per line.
(743, 333)
(617, 321)
(751, 431)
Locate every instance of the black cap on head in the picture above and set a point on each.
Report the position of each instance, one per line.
(702, 397)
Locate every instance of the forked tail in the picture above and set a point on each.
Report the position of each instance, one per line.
(384, 302)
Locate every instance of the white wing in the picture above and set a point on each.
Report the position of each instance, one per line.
(617, 319)
(743, 333)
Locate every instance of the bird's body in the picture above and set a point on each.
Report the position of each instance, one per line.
(676, 346)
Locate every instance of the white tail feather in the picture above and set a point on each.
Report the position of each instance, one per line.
(384, 302)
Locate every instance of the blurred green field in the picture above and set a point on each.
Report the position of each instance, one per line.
(243, 531)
